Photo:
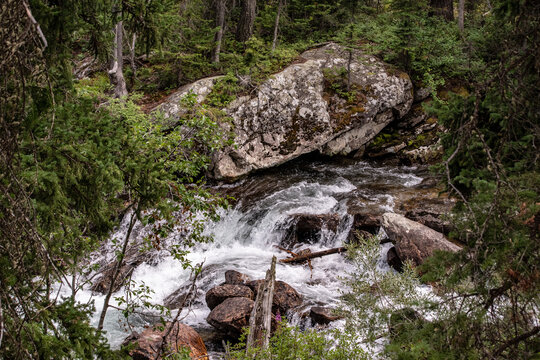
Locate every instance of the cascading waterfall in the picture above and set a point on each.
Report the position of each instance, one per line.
(245, 236)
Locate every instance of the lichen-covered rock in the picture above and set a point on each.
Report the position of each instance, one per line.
(218, 294)
(295, 112)
(414, 241)
(181, 336)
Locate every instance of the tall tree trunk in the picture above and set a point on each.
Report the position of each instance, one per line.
(116, 74)
(276, 25)
(444, 8)
(461, 15)
(220, 22)
(247, 18)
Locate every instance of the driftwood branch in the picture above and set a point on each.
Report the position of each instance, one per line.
(306, 257)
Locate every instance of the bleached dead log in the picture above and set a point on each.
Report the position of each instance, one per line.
(260, 322)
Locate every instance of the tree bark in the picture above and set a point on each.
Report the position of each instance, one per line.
(220, 22)
(276, 25)
(260, 322)
(461, 15)
(116, 73)
(247, 18)
(444, 8)
(302, 258)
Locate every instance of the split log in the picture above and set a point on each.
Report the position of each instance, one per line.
(260, 322)
(305, 257)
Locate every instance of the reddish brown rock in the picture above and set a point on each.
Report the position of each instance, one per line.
(233, 277)
(285, 296)
(414, 241)
(218, 294)
(231, 315)
(181, 336)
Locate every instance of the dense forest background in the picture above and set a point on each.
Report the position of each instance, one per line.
(78, 149)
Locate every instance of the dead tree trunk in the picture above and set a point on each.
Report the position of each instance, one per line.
(247, 19)
(116, 73)
(132, 59)
(276, 25)
(220, 22)
(260, 322)
(461, 15)
(305, 257)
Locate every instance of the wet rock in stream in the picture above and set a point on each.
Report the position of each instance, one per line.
(308, 228)
(393, 259)
(219, 294)
(233, 277)
(414, 241)
(322, 315)
(231, 315)
(285, 296)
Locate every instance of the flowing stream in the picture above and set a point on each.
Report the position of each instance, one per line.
(245, 236)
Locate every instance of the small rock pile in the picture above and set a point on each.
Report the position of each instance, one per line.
(232, 302)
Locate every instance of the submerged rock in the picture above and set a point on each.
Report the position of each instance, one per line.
(297, 111)
(231, 315)
(218, 294)
(181, 336)
(414, 241)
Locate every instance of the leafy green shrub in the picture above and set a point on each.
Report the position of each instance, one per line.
(291, 343)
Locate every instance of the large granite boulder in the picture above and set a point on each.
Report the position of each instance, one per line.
(297, 110)
(218, 294)
(181, 336)
(231, 315)
(414, 241)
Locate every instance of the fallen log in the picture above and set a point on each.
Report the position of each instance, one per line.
(304, 257)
